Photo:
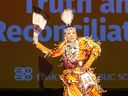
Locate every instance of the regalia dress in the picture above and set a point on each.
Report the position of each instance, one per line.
(78, 77)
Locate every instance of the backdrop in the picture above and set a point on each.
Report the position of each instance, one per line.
(22, 65)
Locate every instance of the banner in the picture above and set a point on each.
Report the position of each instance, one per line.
(22, 65)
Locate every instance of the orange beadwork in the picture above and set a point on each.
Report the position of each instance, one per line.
(88, 52)
(72, 82)
(77, 55)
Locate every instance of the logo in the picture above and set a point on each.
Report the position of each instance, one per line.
(23, 74)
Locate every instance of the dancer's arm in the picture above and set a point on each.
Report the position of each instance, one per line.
(95, 53)
(49, 52)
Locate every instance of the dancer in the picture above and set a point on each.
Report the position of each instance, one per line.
(77, 54)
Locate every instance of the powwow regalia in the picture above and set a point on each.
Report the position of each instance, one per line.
(77, 54)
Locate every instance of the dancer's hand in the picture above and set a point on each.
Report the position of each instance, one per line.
(35, 39)
(36, 35)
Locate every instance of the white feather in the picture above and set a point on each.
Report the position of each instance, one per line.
(67, 16)
(39, 20)
(42, 22)
(35, 18)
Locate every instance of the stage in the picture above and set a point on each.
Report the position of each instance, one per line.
(54, 92)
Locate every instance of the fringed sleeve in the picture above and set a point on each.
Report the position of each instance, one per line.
(96, 50)
(53, 52)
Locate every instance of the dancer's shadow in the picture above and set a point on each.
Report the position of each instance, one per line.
(45, 69)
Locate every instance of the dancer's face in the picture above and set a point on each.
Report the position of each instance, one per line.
(70, 36)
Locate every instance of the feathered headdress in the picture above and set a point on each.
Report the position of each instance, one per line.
(67, 17)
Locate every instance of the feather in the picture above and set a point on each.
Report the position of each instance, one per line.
(35, 19)
(67, 17)
(39, 17)
(42, 22)
(39, 20)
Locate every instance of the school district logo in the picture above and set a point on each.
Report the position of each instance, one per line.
(23, 74)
